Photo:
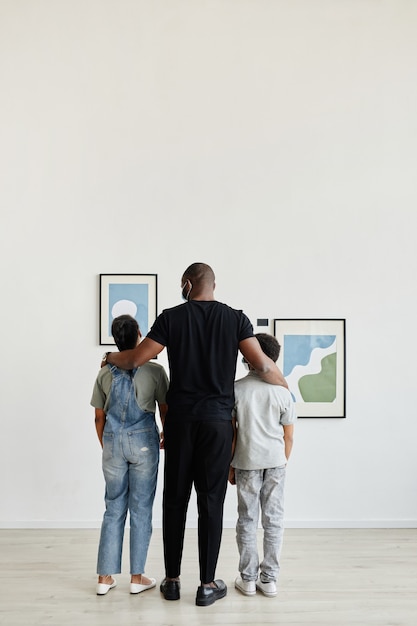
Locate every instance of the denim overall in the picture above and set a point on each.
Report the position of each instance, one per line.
(130, 468)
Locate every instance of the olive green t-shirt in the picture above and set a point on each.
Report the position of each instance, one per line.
(150, 381)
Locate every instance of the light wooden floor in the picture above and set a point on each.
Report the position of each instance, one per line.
(328, 577)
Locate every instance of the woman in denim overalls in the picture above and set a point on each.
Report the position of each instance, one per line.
(129, 436)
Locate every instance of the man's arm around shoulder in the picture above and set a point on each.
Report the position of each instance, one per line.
(129, 359)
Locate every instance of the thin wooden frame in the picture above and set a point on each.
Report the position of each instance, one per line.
(313, 361)
(133, 294)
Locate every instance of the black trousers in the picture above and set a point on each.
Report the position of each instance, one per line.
(196, 453)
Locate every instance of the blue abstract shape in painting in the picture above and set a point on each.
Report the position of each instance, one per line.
(134, 293)
(298, 349)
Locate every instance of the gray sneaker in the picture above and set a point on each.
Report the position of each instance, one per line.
(247, 587)
(268, 589)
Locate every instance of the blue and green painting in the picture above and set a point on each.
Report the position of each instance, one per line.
(310, 367)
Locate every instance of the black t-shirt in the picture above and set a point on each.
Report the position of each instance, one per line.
(202, 339)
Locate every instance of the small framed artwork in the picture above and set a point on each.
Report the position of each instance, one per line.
(132, 294)
(313, 361)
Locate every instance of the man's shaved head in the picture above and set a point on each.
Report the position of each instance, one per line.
(199, 274)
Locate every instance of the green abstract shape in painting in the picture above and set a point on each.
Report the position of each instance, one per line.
(320, 387)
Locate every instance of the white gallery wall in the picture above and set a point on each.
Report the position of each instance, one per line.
(274, 140)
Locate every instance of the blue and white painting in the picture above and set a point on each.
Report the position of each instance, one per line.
(310, 367)
(129, 299)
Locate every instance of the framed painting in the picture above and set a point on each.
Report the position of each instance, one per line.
(313, 361)
(132, 294)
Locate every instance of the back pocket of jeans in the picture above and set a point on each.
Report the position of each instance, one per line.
(143, 444)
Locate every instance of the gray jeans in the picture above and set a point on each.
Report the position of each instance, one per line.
(260, 489)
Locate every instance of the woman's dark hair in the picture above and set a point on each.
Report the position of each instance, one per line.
(125, 331)
(269, 345)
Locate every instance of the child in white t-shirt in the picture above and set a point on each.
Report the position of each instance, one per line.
(264, 417)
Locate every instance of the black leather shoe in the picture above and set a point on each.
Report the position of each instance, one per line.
(209, 595)
(170, 589)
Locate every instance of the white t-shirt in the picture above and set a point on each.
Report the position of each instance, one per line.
(261, 410)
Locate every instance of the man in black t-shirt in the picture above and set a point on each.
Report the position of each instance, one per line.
(202, 337)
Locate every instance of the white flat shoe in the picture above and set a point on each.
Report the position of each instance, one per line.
(268, 589)
(102, 588)
(247, 587)
(137, 588)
